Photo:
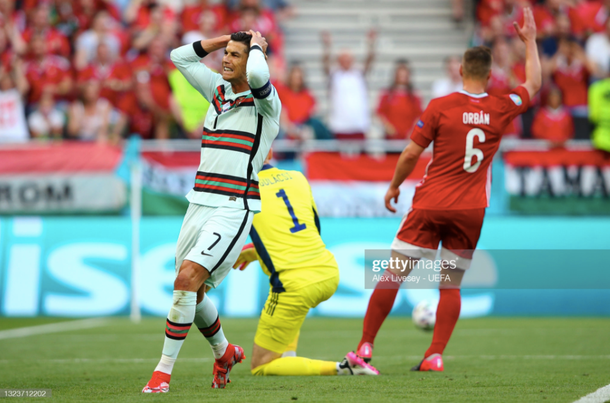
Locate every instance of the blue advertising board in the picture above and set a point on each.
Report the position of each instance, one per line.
(81, 266)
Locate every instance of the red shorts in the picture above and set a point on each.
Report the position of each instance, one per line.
(421, 231)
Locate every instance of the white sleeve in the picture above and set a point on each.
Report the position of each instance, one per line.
(188, 61)
(265, 96)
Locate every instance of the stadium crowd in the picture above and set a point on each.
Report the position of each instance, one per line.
(574, 41)
(100, 69)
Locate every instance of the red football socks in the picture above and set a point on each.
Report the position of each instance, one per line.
(447, 314)
(380, 305)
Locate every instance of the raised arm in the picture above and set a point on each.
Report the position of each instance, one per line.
(21, 82)
(326, 41)
(533, 70)
(187, 59)
(370, 56)
(13, 35)
(257, 71)
(131, 12)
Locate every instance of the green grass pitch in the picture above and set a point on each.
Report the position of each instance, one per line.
(490, 359)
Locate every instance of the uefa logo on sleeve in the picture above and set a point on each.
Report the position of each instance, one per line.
(516, 99)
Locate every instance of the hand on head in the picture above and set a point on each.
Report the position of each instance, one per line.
(258, 39)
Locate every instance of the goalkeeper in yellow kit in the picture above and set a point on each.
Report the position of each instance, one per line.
(302, 273)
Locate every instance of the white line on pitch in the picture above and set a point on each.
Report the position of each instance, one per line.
(52, 328)
(599, 396)
(105, 360)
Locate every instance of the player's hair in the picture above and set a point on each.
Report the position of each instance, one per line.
(476, 62)
(242, 37)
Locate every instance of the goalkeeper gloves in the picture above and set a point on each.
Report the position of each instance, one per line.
(248, 255)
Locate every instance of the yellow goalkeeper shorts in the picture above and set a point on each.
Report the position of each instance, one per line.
(284, 313)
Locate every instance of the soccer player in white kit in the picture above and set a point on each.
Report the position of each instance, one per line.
(240, 125)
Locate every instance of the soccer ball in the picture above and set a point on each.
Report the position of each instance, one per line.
(424, 315)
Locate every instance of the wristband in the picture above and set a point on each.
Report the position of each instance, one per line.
(199, 49)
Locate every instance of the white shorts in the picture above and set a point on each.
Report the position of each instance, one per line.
(213, 237)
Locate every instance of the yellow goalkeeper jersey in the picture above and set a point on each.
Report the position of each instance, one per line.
(286, 233)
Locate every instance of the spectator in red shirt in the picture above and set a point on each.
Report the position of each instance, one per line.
(112, 72)
(544, 15)
(8, 15)
(11, 44)
(55, 42)
(589, 16)
(153, 68)
(138, 13)
(499, 18)
(563, 29)
(149, 19)
(66, 21)
(193, 13)
(399, 106)
(29, 5)
(570, 70)
(159, 22)
(553, 122)
(517, 68)
(47, 72)
(89, 115)
(156, 64)
(137, 116)
(298, 107)
(205, 29)
(88, 41)
(500, 82)
(282, 9)
(252, 16)
(86, 10)
(487, 9)
(47, 121)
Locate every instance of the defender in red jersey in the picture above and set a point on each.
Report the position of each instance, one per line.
(449, 203)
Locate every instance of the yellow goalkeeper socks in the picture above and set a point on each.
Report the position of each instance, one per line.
(296, 366)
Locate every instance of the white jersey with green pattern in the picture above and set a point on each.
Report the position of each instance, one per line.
(237, 133)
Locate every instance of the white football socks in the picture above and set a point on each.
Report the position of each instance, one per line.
(177, 325)
(208, 322)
